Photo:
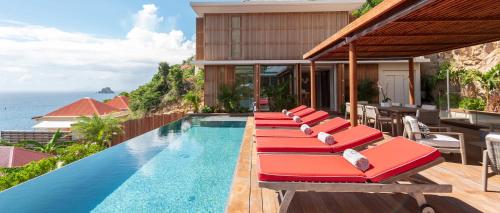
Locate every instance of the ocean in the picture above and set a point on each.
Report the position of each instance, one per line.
(17, 108)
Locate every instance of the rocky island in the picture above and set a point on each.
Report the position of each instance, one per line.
(106, 90)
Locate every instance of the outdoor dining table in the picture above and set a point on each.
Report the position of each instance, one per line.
(397, 112)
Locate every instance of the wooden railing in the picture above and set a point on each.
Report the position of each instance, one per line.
(17, 136)
(135, 127)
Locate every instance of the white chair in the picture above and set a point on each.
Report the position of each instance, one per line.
(429, 107)
(443, 141)
(361, 112)
(373, 115)
(491, 155)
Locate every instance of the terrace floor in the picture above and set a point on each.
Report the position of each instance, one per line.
(467, 195)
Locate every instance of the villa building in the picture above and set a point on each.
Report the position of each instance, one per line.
(260, 44)
(65, 116)
(120, 102)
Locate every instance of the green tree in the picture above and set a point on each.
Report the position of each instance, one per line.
(98, 129)
(193, 99)
(126, 94)
(50, 147)
(367, 6)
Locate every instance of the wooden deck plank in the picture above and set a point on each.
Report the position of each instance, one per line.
(240, 190)
(466, 196)
(255, 191)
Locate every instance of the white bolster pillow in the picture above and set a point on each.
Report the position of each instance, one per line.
(306, 129)
(356, 159)
(326, 138)
(284, 111)
(297, 119)
(289, 114)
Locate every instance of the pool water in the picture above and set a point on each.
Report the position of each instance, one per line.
(186, 166)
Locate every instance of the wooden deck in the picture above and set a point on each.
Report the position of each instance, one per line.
(467, 196)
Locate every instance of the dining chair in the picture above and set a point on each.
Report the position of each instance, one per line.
(445, 142)
(429, 107)
(429, 117)
(491, 156)
(373, 115)
(361, 112)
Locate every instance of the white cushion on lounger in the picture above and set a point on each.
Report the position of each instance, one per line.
(438, 140)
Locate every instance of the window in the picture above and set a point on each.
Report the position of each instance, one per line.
(235, 36)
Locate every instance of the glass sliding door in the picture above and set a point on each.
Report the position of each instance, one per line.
(245, 83)
(277, 84)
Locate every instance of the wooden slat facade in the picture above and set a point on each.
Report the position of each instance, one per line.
(200, 41)
(215, 76)
(269, 36)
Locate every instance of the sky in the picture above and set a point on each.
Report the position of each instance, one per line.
(76, 45)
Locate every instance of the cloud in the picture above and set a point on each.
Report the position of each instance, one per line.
(38, 58)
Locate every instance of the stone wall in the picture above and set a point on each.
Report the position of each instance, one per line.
(481, 57)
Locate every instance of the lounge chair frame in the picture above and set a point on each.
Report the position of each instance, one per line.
(287, 190)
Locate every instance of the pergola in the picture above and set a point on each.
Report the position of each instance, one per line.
(404, 29)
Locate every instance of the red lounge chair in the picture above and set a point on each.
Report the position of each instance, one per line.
(281, 116)
(330, 126)
(265, 114)
(310, 120)
(348, 139)
(396, 160)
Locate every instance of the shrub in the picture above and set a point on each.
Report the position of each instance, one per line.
(78, 151)
(367, 90)
(97, 129)
(472, 104)
(10, 177)
(193, 100)
(208, 109)
(229, 96)
(454, 101)
(32, 170)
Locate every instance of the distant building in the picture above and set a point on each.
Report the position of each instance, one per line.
(64, 117)
(16, 157)
(119, 102)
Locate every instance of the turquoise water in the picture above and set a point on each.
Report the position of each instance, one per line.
(186, 166)
(17, 108)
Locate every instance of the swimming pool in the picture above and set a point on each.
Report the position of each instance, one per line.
(186, 166)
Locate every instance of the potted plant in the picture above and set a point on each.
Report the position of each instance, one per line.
(386, 101)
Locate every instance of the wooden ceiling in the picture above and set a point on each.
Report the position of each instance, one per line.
(411, 28)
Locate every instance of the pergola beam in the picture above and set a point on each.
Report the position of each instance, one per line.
(313, 84)
(489, 19)
(411, 76)
(464, 34)
(353, 84)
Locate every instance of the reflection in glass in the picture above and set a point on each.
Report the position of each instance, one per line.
(244, 83)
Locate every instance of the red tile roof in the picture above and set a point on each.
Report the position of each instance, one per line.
(15, 157)
(84, 107)
(120, 102)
